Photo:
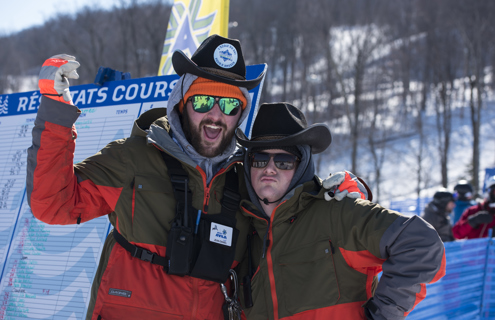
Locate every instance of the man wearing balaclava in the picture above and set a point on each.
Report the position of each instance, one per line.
(315, 259)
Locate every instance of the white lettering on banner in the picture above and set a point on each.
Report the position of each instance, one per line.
(91, 91)
(128, 95)
(143, 87)
(33, 101)
(23, 101)
(102, 94)
(73, 93)
(120, 92)
(115, 92)
(159, 88)
(81, 98)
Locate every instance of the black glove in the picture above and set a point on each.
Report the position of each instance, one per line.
(479, 218)
(368, 307)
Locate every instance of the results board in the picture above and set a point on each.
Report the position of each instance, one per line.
(47, 270)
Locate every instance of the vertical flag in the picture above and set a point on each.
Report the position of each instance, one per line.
(192, 21)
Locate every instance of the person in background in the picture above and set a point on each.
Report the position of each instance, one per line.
(314, 259)
(464, 198)
(438, 211)
(477, 220)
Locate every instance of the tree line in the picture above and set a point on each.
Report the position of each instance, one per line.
(355, 64)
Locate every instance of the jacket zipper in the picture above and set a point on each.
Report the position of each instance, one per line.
(195, 303)
(195, 281)
(205, 211)
(271, 274)
(206, 187)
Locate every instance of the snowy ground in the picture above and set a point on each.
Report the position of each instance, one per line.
(399, 178)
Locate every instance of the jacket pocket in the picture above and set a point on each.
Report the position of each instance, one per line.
(308, 277)
(130, 286)
(154, 209)
(215, 257)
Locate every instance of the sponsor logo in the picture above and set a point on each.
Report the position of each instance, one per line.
(221, 234)
(120, 293)
(225, 56)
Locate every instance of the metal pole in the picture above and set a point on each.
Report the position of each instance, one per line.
(483, 295)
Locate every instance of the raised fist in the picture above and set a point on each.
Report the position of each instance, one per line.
(54, 75)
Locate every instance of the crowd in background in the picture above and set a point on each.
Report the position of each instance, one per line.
(461, 214)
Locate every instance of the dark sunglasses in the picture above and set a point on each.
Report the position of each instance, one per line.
(283, 161)
(204, 103)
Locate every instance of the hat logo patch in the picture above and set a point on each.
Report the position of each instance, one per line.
(225, 56)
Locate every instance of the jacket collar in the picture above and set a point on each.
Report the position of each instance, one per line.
(295, 203)
(155, 126)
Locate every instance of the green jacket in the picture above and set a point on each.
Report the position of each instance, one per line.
(321, 259)
(128, 181)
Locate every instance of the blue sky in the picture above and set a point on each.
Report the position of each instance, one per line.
(16, 15)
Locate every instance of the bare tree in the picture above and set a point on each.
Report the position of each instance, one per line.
(475, 25)
(352, 62)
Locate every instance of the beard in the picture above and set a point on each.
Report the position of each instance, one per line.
(195, 136)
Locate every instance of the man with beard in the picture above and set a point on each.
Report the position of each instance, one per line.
(166, 189)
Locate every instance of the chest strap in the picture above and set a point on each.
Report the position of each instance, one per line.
(138, 252)
(178, 177)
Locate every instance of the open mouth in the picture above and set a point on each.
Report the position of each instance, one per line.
(211, 132)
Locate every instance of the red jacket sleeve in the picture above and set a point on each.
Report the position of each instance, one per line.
(462, 229)
(53, 190)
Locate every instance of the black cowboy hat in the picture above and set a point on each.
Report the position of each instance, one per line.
(282, 124)
(218, 59)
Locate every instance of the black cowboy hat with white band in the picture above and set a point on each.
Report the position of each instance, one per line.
(218, 59)
(283, 125)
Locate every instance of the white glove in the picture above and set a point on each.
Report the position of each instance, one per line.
(344, 184)
(58, 69)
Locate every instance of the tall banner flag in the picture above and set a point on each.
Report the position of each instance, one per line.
(191, 22)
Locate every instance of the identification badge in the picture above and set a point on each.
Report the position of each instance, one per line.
(221, 234)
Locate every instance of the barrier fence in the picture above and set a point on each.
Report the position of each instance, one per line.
(467, 291)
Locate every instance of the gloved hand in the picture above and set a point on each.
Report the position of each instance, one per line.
(53, 77)
(480, 218)
(345, 184)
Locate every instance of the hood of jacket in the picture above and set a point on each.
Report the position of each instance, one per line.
(154, 125)
(299, 200)
(162, 126)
